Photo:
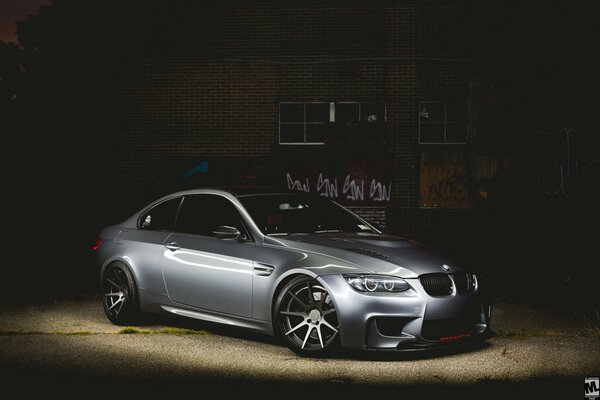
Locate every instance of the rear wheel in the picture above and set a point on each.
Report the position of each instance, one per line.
(119, 295)
(305, 317)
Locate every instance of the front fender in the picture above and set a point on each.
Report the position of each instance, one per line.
(287, 262)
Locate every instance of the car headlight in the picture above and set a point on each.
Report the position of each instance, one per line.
(377, 283)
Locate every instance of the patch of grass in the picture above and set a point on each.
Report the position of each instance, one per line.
(182, 331)
(131, 330)
(166, 331)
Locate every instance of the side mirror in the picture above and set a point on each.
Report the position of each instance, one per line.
(226, 232)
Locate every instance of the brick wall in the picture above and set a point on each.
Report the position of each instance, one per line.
(199, 80)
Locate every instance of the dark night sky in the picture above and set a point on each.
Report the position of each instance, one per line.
(16, 10)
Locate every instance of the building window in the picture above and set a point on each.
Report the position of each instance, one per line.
(303, 123)
(347, 113)
(308, 123)
(442, 123)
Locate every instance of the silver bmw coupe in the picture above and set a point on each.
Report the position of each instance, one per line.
(289, 264)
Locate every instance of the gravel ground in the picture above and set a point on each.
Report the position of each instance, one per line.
(70, 346)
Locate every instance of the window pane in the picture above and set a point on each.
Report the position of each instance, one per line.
(291, 133)
(455, 133)
(291, 112)
(431, 112)
(455, 112)
(432, 133)
(373, 112)
(202, 214)
(317, 112)
(346, 112)
(315, 133)
(161, 217)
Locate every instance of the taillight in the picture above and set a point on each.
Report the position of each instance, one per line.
(97, 245)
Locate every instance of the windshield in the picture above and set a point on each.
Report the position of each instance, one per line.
(289, 213)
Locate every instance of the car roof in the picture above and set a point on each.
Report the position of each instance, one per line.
(241, 191)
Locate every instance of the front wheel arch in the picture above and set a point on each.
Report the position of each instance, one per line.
(277, 291)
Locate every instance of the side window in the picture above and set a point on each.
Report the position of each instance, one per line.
(202, 214)
(161, 217)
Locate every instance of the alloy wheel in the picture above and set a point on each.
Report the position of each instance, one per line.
(115, 291)
(307, 316)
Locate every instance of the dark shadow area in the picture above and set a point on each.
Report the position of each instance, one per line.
(27, 383)
(56, 114)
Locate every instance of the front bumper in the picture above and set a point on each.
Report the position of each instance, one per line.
(398, 322)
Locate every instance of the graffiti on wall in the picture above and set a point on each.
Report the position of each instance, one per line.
(571, 162)
(345, 189)
(213, 171)
(443, 179)
(360, 180)
(443, 185)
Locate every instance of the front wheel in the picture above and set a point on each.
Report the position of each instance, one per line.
(305, 317)
(119, 295)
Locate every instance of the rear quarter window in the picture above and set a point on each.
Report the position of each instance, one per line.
(161, 217)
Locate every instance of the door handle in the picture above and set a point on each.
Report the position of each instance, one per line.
(172, 246)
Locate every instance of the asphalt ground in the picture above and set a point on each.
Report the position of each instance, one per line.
(70, 349)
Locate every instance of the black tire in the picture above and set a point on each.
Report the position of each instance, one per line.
(120, 295)
(304, 317)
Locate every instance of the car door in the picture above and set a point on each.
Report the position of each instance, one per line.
(203, 271)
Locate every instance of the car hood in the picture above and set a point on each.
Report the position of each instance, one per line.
(374, 253)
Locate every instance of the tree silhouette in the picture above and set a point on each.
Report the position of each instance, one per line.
(57, 88)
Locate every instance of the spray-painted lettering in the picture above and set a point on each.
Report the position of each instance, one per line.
(353, 189)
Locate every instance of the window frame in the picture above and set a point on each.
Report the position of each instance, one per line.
(349, 102)
(445, 123)
(332, 117)
(152, 207)
(244, 232)
(304, 123)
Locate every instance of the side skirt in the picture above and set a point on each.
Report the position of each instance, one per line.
(260, 326)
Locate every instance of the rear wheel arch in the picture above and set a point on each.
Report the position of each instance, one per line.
(125, 263)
